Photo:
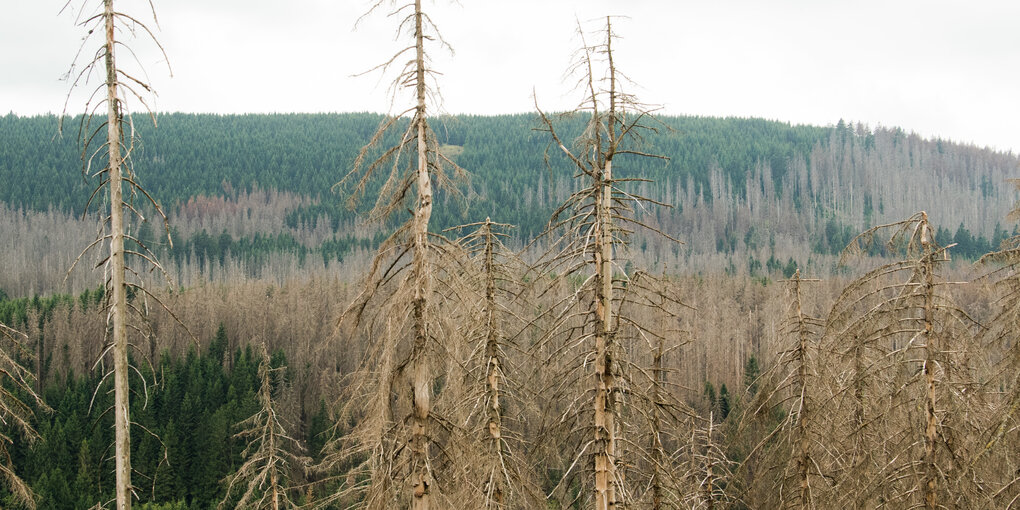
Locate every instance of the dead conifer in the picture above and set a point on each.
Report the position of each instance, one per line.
(589, 358)
(396, 448)
(108, 159)
(269, 458)
(907, 380)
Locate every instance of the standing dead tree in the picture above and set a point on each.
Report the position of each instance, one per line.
(910, 434)
(594, 223)
(16, 386)
(662, 424)
(704, 470)
(109, 159)
(396, 450)
(495, 405)
(789, 472)
(269, 459)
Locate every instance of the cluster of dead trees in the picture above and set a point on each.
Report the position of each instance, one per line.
(484, 380)
(429, 418)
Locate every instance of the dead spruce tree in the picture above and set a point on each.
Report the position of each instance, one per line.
(16, 386)
(396, 449)
(269, 459)
(109, 159)
(787, 469)
(586, 232)
(662, 425)
(496, 407)
(703, 469)
(910, 431)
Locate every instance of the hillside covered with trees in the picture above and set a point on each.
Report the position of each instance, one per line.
(255, 194)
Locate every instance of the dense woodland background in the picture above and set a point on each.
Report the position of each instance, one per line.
(266, 251)
(253, 195)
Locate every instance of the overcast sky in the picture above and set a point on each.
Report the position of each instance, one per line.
(940, 68)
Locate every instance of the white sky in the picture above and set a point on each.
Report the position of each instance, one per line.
(936, 67)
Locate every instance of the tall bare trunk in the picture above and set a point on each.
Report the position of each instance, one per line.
(422, 401)
(605, 398)
(658, 456)
(122, 449)
(800, 388)
(493, 367)
(930, 430)
(605, 419)
(708, 487)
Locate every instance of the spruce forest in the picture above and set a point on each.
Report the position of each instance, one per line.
(603, 308)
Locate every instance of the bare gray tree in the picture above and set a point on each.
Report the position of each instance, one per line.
(912, 433)
(111, 160)
(497, 405)
(787, 470)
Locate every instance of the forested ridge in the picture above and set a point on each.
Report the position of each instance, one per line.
(192, 155)
(748, 195)
(213, 155)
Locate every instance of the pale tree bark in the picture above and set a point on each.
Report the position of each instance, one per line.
(931, 467)
(422, 393)
(800, 391)
(117, 176)
(118, 300)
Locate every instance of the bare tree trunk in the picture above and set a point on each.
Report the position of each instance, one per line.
(708, 487)
(493, 366)
(605, 426)
(122, 449)
(422, 402)
(273, 479)
(800, 388)
(930, 431)
(605, 398)
(658, 377)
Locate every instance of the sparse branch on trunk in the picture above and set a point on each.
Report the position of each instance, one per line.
(909, 395)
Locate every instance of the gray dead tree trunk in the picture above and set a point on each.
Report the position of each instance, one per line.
(117, 176)
(394, 440)
(118, 300)
(422, 378)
